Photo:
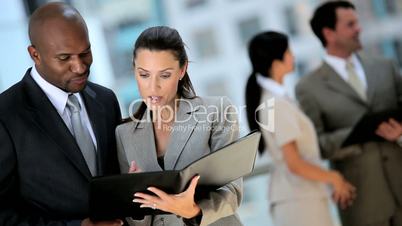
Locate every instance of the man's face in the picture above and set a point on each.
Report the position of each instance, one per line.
(63, 54)
(347, 30)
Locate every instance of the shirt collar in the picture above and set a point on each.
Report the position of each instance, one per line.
(339, 64)
(56, 96)
(271, 85)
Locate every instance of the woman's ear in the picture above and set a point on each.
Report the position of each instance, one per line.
(183, 70)
(329, 34)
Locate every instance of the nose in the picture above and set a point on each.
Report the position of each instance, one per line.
(358, 27)
(78, 66)
(154, 84)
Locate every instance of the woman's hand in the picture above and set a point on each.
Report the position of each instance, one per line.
(180, 204)
(134, 168)
(344, 192)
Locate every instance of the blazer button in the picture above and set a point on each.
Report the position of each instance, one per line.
(385, 158)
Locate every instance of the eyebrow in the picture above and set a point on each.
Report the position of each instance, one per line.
(84, 51)
(163, 70)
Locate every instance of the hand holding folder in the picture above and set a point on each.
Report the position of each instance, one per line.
(365, 129)
(111, 196)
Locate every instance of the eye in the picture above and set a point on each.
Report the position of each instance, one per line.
(143, 75)
(85, 54)
(166, 75)
(63, 57)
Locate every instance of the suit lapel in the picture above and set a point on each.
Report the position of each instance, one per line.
(371, 72)
(335, 82)
(182, 130)
(145, 144)
(96, 114)
(47, 118)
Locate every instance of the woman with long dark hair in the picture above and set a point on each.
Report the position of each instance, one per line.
(296, 192)
(172, 128)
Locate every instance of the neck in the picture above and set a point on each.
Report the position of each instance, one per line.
(338, 52)
(278, 77)
(166, 113)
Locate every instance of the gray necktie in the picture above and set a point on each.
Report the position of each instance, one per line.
(81, 134)
(354, 81)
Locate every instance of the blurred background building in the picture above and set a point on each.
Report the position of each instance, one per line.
(216, 33)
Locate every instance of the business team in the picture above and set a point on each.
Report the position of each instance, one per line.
(58, 130)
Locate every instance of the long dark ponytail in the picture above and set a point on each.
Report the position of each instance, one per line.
(263, 49)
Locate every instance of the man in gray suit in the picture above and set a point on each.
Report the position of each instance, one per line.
(335, 96)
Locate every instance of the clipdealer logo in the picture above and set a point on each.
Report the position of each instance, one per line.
(269, 107)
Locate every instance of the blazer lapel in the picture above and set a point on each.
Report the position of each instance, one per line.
(145, 144)
(47, 118)
(335, 82)
(371, 72)
(182, 131)
(96, 115)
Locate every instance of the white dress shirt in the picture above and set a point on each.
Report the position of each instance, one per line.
(271, 85)
(339, 65)
(59, 98)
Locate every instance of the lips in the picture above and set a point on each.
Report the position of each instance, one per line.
(80, 80)
(154, 99)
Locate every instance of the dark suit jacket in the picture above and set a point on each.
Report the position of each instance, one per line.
(373, 167)
(44, 178)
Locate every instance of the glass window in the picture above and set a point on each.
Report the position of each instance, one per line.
(217, 86)
(194, 3)
(205, 43)
(248, 28)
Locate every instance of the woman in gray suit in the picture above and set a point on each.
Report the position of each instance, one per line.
(173, 127)
(297, 191)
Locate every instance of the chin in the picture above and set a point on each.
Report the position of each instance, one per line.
(76, 89)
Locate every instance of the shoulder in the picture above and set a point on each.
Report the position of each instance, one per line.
(219, 101)
(125, 127)
(312, 79)
(99, 90)
(373, 59)
(11, 98)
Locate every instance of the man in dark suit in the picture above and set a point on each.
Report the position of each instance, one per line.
(335, 96)
(56, 128)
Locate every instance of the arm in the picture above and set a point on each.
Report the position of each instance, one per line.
(343, 191)
(330, 142)
(225, 200)
(13, 211)
(121, 155)
(10, 201)
(391, 130)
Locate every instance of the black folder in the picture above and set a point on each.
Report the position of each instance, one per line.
(111, 196)
(364, 130)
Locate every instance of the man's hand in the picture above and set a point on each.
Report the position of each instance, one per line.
(390, 130)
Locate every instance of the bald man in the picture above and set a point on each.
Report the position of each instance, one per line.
(56, 127)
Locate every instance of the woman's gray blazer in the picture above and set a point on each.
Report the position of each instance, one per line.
(202, 125)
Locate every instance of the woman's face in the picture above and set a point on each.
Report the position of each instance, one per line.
(288, 61)
(157, 74)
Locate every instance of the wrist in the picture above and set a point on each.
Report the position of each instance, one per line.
(195, 211)
(334, 178)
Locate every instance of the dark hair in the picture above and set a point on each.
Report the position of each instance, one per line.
(263, 49)
(163, 38)
(325, 16)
